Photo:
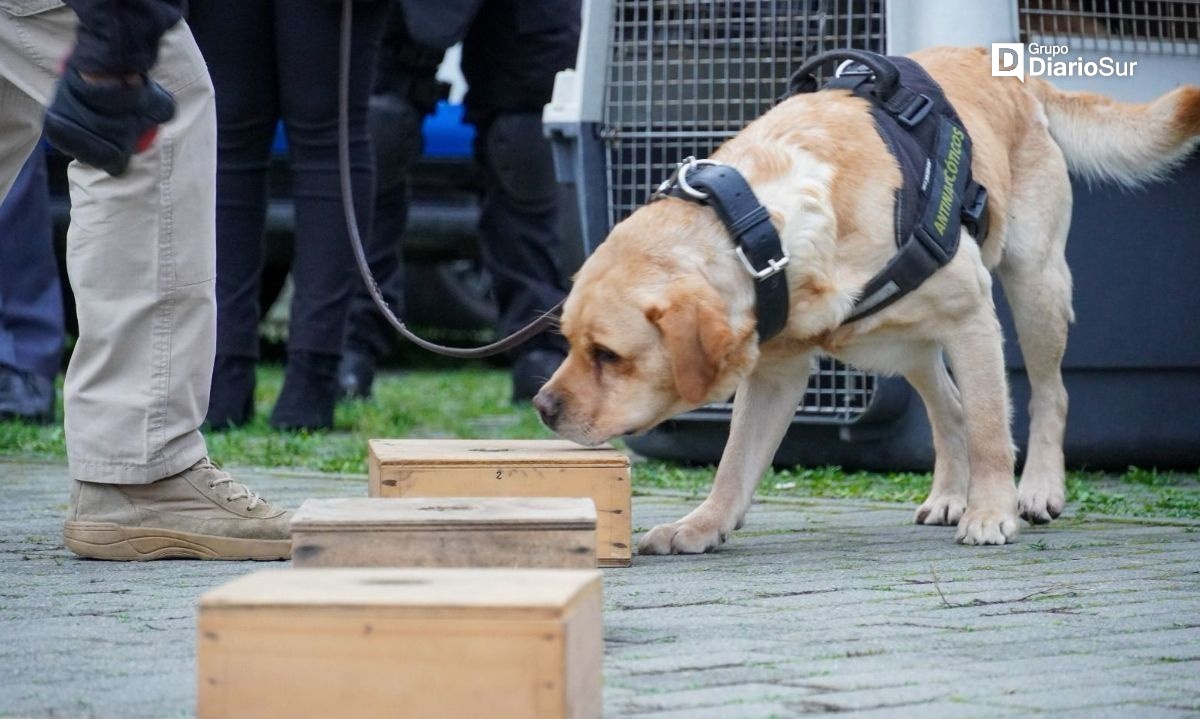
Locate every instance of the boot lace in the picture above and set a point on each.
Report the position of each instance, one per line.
(241, 490)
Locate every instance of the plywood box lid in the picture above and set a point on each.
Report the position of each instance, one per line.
(509, 452)
(418, 593)
(444, 513)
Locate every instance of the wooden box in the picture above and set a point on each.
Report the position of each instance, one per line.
(512, 468)
(446, 643)
(550, 532)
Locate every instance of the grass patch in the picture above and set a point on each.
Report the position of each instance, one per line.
(1136, 493)
(474, 402)
(1173, 495)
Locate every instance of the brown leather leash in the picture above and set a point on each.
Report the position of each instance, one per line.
(545, 321)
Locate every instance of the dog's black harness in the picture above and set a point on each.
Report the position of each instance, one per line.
(936, 197)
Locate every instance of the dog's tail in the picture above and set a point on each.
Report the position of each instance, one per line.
(1130, 144)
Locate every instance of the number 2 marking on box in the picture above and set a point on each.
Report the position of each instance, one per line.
(499, 474)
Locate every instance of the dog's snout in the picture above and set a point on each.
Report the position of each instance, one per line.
(548, 405)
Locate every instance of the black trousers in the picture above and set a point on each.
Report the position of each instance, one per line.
(272, 60)
(512, 50)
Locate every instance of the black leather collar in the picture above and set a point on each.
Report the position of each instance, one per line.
(723, 188)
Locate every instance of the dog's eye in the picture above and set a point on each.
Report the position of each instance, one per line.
(603, 355)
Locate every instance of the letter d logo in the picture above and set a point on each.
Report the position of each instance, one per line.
(1008, 60)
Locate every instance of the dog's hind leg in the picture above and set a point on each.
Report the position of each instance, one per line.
(1038, 288)
(974, 350)
(952, 468)
(762, 411)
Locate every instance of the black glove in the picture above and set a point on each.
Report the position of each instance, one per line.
(104, 124)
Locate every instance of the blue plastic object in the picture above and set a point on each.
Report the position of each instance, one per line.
(279, 145)
(446, 135)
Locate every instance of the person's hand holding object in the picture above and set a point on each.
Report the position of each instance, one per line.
(103, 122)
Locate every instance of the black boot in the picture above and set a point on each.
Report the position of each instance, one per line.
(310, 392)
(231, 401)
(356, 374)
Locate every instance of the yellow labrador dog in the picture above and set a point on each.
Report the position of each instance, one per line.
(662, 317)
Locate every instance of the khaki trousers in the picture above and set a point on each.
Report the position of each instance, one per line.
(140, 255)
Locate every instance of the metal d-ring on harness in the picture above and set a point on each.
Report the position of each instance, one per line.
(543, 322)
(936, 198)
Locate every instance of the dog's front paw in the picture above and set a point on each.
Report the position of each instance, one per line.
(1038, 503)
(987, 526)
(944, 509)
(682, 537)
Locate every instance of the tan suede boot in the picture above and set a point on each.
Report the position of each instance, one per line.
(200, 513)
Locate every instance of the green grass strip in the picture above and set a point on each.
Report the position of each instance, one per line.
(475, 403)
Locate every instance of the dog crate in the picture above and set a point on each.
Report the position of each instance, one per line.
(658, 80)
(1132, 366)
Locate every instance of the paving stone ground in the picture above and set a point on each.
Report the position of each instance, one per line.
(816, 607)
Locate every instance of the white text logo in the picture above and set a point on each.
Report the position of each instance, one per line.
(1016, 59)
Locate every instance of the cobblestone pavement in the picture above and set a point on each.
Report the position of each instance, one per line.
(816, 607)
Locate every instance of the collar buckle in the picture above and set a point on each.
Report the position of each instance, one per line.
(774, 266)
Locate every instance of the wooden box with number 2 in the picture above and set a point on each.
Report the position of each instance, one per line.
(512, 468)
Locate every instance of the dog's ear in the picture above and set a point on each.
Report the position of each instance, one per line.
(694, 322)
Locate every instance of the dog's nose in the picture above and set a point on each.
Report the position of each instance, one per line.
(548, 405)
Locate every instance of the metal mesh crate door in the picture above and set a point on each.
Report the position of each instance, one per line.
(685, 76)
(1143, 26)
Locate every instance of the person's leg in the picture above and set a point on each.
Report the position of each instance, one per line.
(20, 114)
(20, 126)
(396, 139)
(141, 262)
(323, 269)
(518, 221)
(140, 248)
(237, 42)
(31, 314)
(520, 241)
(510, 57)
